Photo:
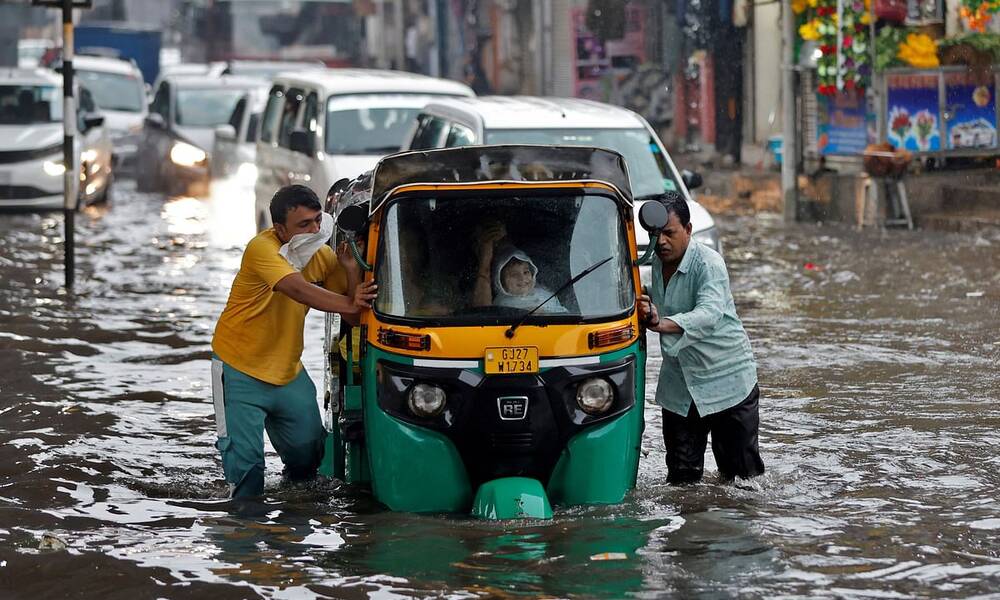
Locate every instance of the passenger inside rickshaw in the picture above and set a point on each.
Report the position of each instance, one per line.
(507, 276)
(430, 258)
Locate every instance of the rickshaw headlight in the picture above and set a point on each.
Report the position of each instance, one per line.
(594, 396)
(426, 400)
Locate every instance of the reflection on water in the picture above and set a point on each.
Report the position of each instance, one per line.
(879, 422)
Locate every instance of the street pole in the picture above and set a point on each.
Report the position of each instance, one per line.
(71, 176)
(789, 152)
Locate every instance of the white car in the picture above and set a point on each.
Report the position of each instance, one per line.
(30, 51)
(566, 121)
(235, 145)
(120, 93)
(31, 142)
(268, 69)
(179, 132)
(326, 124)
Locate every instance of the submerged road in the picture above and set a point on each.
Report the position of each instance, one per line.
(880, 407)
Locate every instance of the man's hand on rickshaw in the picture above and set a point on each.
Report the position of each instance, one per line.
(346, 258)
(647, 312)
(363, 295)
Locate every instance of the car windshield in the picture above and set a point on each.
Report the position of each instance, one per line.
(206, 107)
(26, 104)
(431, 259)
(649, 172)
(114, 91)
(367, 130)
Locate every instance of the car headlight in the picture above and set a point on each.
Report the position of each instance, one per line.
(53, 168)
(426, 400)
(594, 396)
(709, 237)
(186, 155)
(247, 172)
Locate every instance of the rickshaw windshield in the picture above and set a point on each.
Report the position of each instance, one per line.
(489, 260)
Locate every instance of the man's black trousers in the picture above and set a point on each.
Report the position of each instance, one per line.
(734, 441)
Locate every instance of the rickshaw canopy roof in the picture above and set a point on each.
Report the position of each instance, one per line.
(500, 164)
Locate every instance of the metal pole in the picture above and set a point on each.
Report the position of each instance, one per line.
(789, 152)
(71, 176)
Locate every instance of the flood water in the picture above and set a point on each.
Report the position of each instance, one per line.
(880, 409)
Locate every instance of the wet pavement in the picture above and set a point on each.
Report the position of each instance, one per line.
(880, 405)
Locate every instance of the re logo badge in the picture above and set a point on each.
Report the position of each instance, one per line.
(512, 408)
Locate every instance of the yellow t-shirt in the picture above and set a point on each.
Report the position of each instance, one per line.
(260, 330)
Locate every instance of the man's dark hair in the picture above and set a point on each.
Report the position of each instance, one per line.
(289, 198)
(676, 204)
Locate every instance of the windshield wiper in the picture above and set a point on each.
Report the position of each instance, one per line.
(510, 331)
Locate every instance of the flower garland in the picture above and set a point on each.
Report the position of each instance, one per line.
(839, 31)
(855, 55)
(977, 13)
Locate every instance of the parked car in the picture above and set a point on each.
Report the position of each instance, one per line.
(566, 121)
(323, 125)
(31, 142)
(31, 50)
(178, 69)
(235, 147)
(120, 93)
(267, 69)
(179, 131)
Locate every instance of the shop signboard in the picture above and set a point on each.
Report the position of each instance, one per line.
(842, 123)
(971, 112)
(913, 107)
(600, 65)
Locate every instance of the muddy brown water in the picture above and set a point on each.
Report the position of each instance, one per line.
(880, 431)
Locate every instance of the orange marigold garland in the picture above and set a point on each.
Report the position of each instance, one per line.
(977, 13)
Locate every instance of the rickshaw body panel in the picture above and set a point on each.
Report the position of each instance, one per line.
(413, 469)
(600, 465)
(417, 469)
(417, 466)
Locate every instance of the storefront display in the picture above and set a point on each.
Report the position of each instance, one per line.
(842, 124)
(934, 95)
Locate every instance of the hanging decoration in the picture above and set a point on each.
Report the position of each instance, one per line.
(839, 28)
(827, 30)
(918, 50)
(977, 13)
(854, 63)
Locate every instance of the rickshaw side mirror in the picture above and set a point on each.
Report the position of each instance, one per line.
(353, 220)
(653, 216)
(691, 179)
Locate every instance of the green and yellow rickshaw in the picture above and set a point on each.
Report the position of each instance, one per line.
(501, 368)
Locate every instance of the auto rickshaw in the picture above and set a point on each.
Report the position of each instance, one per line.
(458, 394)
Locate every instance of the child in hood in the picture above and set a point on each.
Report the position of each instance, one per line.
(508, 277)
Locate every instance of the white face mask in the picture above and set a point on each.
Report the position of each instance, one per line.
(300, 249)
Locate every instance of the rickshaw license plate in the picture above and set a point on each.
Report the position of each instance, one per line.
(512, 360)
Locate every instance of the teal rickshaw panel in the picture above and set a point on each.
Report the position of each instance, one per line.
(600, 465)
(412, 469)
(415, 469)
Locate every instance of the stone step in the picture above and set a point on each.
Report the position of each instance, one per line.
(962, 222)
(971, 197)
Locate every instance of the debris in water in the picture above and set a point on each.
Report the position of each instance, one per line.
(51, 542)
(610, 556)
(845, 276)
(974, 294)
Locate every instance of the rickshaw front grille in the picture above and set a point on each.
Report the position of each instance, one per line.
(512, 441)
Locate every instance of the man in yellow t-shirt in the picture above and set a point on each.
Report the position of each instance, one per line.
(258, 381)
